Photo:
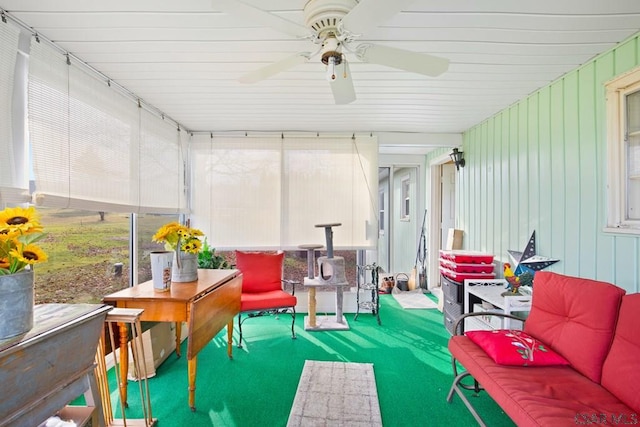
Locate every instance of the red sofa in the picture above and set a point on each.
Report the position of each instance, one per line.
(596, 328)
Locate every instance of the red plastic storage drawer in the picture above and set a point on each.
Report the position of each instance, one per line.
(466, 268)
(466, 257)
(459, 277)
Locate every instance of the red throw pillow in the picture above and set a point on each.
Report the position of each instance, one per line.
(510, 347)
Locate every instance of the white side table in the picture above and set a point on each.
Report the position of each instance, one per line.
(490, 291)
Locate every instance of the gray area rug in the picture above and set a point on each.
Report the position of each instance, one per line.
(336, 394)
(415, 299)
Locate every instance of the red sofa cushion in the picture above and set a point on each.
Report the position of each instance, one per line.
(261, 271)
(621, 373)
(540, 396)
(576, 317)
(508, 347)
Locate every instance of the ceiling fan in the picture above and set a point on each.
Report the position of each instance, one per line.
(333, 26)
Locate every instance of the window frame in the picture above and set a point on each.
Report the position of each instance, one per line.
(617, 159)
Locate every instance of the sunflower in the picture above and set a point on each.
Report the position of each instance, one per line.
(19, 229)
(28, 254)
(19, 219)
(176, 237)
(165, 231)
(192, 246)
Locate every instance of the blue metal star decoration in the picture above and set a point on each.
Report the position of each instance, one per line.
(528, 260)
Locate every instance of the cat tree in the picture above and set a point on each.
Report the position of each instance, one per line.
(331, 272)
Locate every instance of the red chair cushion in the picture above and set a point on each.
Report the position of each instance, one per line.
(261, 271)
(509, 347)
(620, 373)
(576, 317)
(266, 300)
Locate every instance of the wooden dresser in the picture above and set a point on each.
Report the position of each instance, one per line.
(51, 365)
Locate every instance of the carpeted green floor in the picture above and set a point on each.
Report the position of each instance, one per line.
(411, 364)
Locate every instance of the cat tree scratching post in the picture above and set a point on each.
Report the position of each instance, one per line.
(331, 272)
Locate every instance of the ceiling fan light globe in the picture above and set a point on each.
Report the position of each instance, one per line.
(331, 47)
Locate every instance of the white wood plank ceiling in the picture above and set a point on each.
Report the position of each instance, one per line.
(184, 57)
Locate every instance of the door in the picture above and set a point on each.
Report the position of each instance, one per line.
(400, 219)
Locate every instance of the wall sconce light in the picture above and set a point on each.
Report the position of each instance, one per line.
(457, 158)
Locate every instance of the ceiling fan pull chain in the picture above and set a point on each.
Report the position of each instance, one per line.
(344, 66)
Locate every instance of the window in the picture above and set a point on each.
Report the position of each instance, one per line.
(632, 140)
(405, 206)
(146, 226)
(88, 255)
(623, 141)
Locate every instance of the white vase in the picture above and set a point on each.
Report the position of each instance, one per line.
(161, 269)
(16, 304)
(186, 268)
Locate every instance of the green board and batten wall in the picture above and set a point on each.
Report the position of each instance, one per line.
(541, 165)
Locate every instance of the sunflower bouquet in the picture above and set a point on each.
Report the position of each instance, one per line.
(19, 229)
(178, 237)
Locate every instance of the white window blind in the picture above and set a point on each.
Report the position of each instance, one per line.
(236, 191)
(161, 165)
(270, 192)
(95, 149)
(49, 121)
(13, 179)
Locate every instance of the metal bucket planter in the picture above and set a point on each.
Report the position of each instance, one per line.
(16, 304)
(185, 269)
(402, 281)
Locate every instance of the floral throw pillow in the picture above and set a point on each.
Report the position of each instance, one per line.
(511, 347)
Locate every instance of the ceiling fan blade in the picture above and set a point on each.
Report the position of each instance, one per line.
(261, 17)
(342, 86)
(406, 60)
(275, 68)
(368, 14)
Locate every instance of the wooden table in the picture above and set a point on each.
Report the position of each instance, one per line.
(207, 305)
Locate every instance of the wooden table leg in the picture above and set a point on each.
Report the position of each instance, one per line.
(191, 366)
(178, 336)
(312, 306)
(230, 339)
(124, 362)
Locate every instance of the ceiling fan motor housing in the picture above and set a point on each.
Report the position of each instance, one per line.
(323, 16)
(331, 48)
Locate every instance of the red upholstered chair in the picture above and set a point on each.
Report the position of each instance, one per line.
(262, 290)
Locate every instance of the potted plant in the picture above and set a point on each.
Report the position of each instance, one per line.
(19, 230)
(185, 242)
(207, 258)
